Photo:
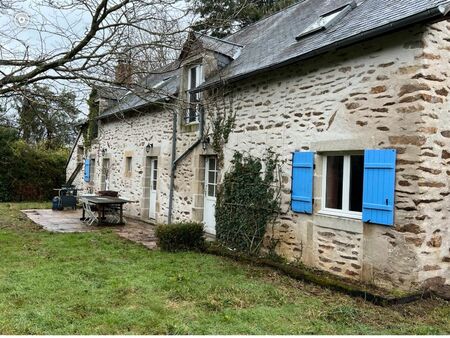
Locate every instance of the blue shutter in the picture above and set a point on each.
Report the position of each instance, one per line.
(302, 182)
(379, 186)
(87, 167)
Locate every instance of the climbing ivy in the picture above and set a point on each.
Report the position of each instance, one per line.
(247, 202)
(222, 119)
(222, 126)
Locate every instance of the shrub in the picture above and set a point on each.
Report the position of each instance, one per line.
(181, 237)
(36, 171)
(29, 172)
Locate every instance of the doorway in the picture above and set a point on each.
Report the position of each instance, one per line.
(153, 187)
(210, 193)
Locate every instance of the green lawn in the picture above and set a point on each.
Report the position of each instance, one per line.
(98, 283)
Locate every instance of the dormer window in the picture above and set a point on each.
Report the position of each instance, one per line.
(195, 79)
(327, 20)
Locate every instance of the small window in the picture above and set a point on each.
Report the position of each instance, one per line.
(195, 79)
(154, 177)
(327, 20)
(343, 184)
(128, 165)
(80, 153)
(92, 169)
(211, 177)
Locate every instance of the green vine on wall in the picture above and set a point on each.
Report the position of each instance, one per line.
(222, 126)
(222, 119)
(248, 202)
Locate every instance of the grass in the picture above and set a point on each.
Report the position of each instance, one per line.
(97, 283)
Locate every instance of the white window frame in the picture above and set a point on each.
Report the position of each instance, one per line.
(215, 172)
(344, 212)
(199, 80)
(154, 174)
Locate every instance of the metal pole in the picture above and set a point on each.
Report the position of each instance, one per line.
(172, 165)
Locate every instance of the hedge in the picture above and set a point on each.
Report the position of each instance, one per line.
(181, 237)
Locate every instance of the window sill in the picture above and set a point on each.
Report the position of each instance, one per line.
(192, 123)
(190, 127)
(342, 214)
(328, 220)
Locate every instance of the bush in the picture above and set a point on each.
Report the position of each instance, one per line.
(36, 171)
(29, 172)
(181, 237)
(247, 202)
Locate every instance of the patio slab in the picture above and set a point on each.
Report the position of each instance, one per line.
(68, 221)
(58, 221)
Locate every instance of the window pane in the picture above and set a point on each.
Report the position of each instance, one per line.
(129, 164)
(356, 182)
(193, 82)
(212, 177)
(335, 167)
(211, 191)
(212, 163)
(92, 169)
(192, 114)
(193, 98)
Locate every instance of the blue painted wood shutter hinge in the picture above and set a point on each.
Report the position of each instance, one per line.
(379, 186)
(302, 182)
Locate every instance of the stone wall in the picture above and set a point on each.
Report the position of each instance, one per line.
(384, 93)
(433, 203)
(390, 92)
(128, 137)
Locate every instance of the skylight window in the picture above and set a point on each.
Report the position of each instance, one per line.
(327, 20)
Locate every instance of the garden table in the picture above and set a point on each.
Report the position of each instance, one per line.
(102, 202)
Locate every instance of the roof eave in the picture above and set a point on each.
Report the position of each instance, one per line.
(134, 109)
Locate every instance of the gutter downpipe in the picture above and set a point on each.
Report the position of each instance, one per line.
(175, 161)
(441, 10)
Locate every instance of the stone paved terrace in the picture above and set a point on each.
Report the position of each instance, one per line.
(68, 221)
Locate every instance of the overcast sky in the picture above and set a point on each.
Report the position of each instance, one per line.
(29, 27)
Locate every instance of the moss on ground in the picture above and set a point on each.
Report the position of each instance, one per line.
(350, 287)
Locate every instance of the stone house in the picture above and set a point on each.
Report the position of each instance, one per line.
(352, 95)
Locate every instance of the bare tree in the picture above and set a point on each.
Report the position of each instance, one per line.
(83, 40)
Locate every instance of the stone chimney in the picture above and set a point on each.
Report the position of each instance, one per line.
(124, 72)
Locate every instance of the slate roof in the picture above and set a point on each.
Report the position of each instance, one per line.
(227, 48)
(157, 87)
(164, 82)
(110, 92)
(271, 41)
